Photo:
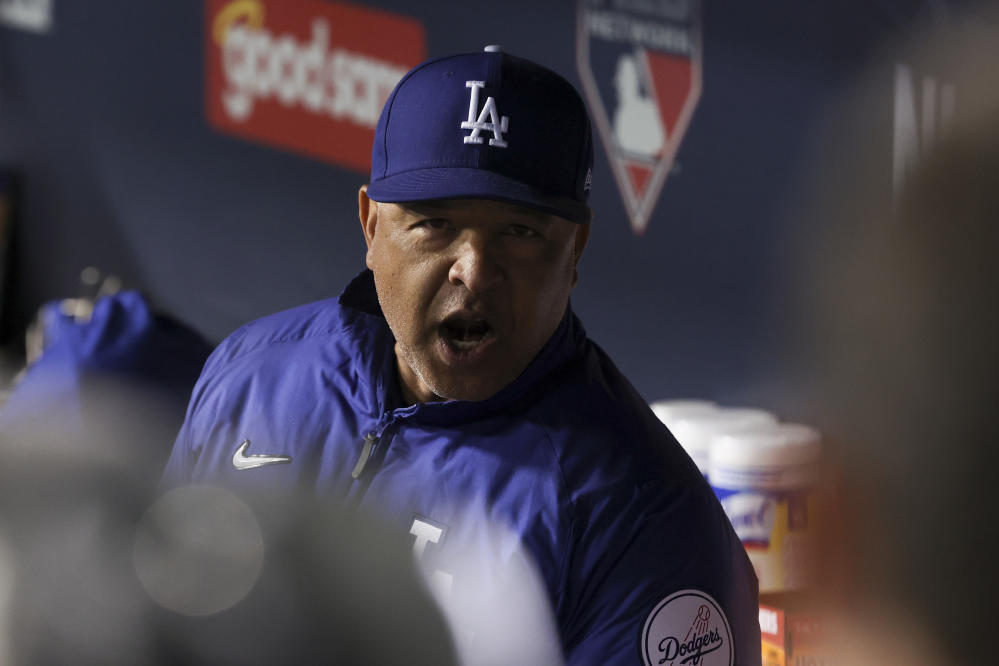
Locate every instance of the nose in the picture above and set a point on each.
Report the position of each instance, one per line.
(475, 267)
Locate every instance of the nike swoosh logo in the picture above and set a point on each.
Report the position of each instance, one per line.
(240, 460)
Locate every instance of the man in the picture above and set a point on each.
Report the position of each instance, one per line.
(452, 388)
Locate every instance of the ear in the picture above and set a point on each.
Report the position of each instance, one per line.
(582, 235)
(367, 212)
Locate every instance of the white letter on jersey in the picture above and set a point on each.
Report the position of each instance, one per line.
(424, 532)
(440, 581)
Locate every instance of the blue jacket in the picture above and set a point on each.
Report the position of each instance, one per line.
(635, 554)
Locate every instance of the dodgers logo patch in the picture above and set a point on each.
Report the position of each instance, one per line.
(640, 65)
(687, 628)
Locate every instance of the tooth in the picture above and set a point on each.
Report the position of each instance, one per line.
(465, 345)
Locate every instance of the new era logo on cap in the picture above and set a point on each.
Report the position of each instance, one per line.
(485, 125)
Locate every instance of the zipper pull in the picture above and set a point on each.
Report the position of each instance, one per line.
(369, 444)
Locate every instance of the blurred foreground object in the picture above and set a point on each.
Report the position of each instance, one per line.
(104, 574)
(111, 371)
(905, 334)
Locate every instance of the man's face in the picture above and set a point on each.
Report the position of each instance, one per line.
(472, 289)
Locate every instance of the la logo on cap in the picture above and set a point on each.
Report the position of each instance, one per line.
(495, 123)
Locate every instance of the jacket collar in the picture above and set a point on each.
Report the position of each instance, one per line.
(373, 345)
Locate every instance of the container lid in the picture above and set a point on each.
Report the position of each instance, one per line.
(669, 411)
(777, 456)
(697, 432)
(778, 444)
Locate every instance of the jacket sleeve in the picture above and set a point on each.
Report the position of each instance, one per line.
(180, 464)
(656, 575)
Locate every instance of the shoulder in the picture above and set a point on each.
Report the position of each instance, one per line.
(623, 471)
(602, 428)
(302, 324)
(275, 358)
(271, 377)
(638, 500)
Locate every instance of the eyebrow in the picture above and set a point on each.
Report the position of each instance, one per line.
(435, 208)
(536, 216)
(422, 207)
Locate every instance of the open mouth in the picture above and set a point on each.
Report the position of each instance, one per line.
(465, 334)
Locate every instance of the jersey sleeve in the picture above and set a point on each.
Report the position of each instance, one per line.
(180, 464)
(656, 575)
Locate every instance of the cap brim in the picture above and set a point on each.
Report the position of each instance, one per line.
(465, 183)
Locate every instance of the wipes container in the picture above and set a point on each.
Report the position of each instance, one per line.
(766, 479)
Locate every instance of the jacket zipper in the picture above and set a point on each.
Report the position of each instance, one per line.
(370, 441)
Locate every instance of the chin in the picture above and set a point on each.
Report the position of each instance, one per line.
(468, 391)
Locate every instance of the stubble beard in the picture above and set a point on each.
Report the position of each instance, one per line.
(409, 360)
(452, 388)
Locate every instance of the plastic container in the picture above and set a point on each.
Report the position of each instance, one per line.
(766, 479)
(697, 432)
(669, 411)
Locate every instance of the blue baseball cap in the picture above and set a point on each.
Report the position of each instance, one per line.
(485, 125)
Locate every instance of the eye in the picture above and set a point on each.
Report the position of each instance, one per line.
(522, 231)
(433, 224)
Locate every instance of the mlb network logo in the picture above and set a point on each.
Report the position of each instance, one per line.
(640, 65)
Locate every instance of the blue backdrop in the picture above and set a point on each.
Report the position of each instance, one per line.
(102, 119)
